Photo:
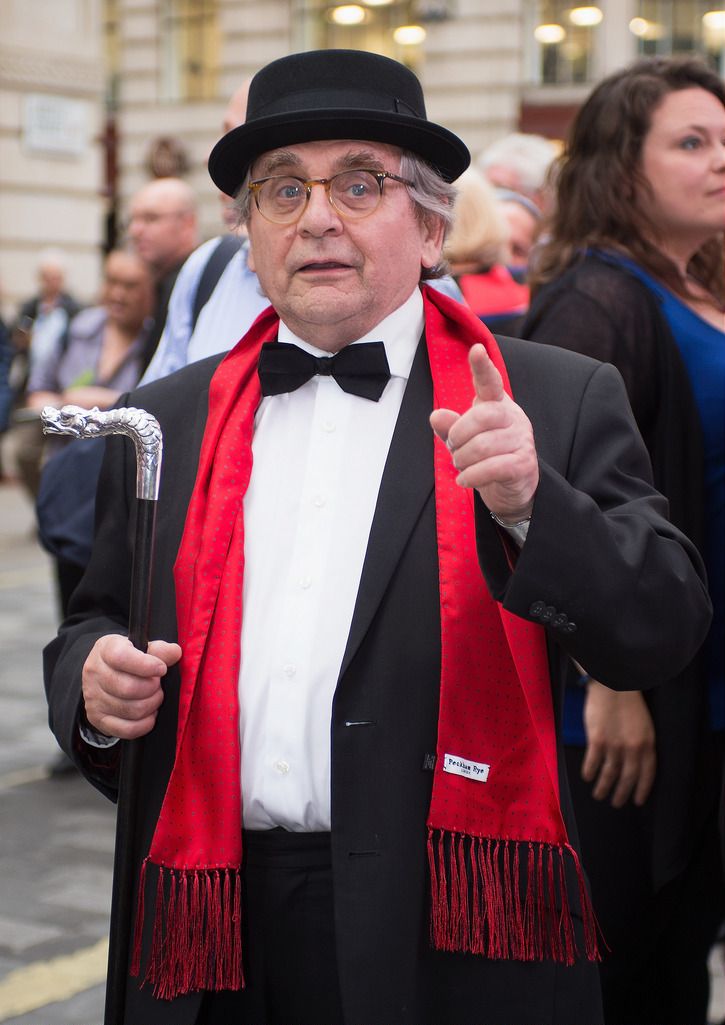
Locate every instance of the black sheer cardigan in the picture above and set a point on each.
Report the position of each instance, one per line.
(605, 311)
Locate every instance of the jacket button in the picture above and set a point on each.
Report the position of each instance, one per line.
(559, 621)
(548, 614)
(570, 628)
(537, 608)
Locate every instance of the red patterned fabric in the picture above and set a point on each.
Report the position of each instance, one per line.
(495, 710)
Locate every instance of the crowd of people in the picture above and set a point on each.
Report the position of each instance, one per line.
(365, 557)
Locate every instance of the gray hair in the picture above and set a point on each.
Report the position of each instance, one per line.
(529, 156)
(432, 197)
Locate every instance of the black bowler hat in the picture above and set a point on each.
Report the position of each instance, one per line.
(334, 94)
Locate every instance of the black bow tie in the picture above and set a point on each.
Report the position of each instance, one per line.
(359, 369)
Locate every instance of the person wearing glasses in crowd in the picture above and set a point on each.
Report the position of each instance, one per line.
(163, 229)
(216, 297)
(379, 542)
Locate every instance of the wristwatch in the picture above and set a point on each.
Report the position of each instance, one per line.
(517, 531)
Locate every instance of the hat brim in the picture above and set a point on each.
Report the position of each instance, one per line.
(235, 152)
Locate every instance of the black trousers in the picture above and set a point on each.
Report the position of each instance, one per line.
(288, 936)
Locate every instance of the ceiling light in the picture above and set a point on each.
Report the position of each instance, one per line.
(348, 14)
(585, 16)
(548, 34)
(378, 3)
(409, 35)
(646, 29)
(638, 26)
(714, 20)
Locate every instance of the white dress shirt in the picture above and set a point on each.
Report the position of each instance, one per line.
(319, 455)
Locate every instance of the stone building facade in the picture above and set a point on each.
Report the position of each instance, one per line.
(52, 84)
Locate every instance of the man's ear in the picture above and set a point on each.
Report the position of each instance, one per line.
(434, 230)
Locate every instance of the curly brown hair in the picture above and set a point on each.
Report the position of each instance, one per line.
(599, 172)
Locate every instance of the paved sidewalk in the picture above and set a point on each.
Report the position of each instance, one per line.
(56, 841)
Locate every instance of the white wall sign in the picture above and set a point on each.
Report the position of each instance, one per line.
(55, 124)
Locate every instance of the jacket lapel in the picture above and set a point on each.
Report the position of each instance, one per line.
(406, 484)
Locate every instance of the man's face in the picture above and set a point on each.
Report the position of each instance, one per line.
(161, 226)
(51, 281)
(522, 232)
(330, 278)
(127, 291)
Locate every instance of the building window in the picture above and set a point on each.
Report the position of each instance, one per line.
(189, 35)
(565, 43)
(395, 28)
(111, 51)
(562, 42)
(685, 26)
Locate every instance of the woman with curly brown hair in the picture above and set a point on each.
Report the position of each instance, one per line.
(632, 273)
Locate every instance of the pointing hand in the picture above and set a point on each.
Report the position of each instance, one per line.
(492, 443)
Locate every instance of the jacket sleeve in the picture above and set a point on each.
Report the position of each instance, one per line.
(613, 582)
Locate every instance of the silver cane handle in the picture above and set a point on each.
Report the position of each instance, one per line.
(141, 427)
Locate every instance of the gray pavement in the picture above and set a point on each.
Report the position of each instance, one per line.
(56, 839)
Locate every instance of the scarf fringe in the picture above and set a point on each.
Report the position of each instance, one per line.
(196, 941)
(478, 907)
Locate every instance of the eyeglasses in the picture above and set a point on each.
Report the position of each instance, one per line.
(282, 198)
(152, 217)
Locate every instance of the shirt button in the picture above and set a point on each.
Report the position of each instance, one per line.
(329, 427)
(289, 669)
(305, 582)
(282, 766)
(319, 501)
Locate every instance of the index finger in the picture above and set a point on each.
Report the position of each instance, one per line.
(486, 378)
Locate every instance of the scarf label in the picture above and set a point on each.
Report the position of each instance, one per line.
(463, 767)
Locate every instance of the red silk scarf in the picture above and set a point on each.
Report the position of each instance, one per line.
(497, 843)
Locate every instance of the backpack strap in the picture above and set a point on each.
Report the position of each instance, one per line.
(228, 246)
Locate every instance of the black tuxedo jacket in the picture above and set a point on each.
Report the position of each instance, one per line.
(615, 585)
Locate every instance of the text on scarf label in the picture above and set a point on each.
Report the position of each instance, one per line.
(463, 767)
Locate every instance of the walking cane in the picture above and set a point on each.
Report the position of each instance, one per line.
(145, 433)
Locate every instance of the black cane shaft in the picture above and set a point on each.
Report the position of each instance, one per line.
(138, 618)
(122, 905)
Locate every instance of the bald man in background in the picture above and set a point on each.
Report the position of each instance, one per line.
(216, 297)
(163, 229)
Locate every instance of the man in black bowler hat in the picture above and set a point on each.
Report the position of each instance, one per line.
(382, 533)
